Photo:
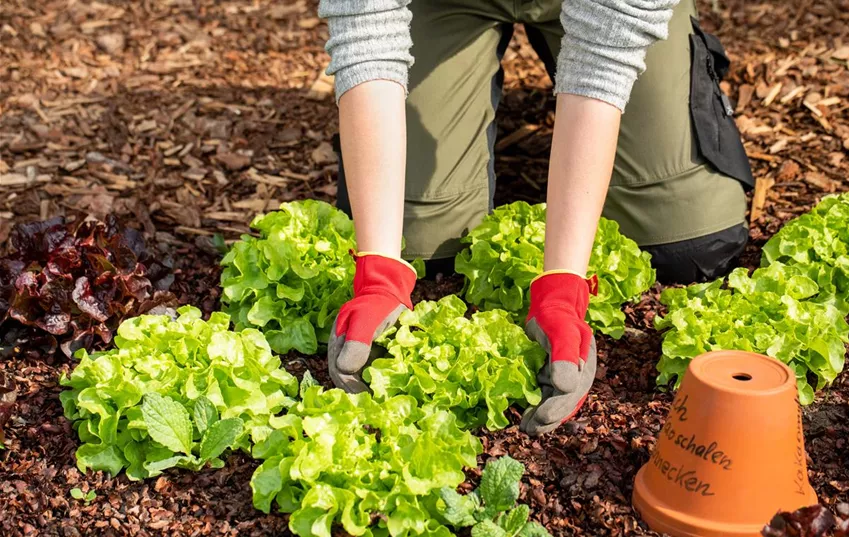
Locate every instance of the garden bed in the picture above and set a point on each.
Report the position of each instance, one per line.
(206, 113)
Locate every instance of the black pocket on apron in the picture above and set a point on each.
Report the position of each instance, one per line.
(713, 117)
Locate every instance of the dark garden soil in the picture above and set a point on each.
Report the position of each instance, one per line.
(186, 117)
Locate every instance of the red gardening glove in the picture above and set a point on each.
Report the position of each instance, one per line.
(382, 288)
(559, 304)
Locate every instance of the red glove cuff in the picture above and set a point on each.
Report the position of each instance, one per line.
(379, 275)
(559, 302)
(562, 288)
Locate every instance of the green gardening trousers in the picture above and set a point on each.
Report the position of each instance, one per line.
(662, 191)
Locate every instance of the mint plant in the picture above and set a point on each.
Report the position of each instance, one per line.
(491, 509)
(505, 254)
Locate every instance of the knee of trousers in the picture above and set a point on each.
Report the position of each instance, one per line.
(433, 226)
(434, 222)
(700, 259)
(693, 224)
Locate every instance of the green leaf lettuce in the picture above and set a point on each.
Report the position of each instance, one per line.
(505, 253)
(292, 279)
(769, 312)
(476, 367)
(174, 393)
(817, 243)
(374, 468)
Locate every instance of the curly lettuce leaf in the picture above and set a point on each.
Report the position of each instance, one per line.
(506, 252)
(769, 312)
(174, 393)
(476, 367)
(373, 468)
(818, 244)
(71, 283)
(291, 280)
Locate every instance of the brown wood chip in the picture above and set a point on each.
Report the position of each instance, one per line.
(820, 181)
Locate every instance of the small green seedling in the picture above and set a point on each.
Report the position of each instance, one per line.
(78, 494)
(219, 243)
(491, 509)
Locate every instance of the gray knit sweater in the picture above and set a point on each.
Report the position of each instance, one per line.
(602, 53)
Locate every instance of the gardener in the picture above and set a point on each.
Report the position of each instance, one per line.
(424, 164)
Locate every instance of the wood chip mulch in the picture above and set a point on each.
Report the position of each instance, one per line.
(187, 117)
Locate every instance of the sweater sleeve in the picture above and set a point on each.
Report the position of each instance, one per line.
(604, 45)
(369, 40)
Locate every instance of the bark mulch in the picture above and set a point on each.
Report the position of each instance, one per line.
(185, 118)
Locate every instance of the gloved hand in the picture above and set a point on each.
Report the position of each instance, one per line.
(382, 288)
(559, 302)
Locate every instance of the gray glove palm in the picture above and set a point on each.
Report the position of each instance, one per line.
(382, 288)
(559, 302)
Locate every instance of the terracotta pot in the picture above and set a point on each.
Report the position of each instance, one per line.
(731, 454)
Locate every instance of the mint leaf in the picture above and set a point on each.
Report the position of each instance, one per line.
(168, 422)
(488, 528)
(532, 529)
(515, 519)
(205, 414)
(459, 510)
(499, 486)
(219, 437)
